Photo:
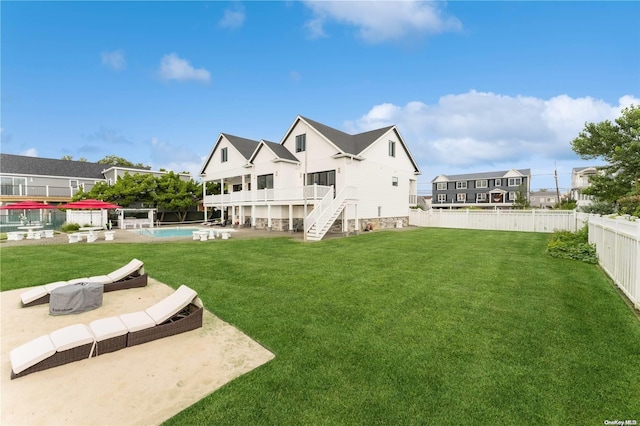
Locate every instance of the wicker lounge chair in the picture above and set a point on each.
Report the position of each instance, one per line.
(129, 276)
(181, 311)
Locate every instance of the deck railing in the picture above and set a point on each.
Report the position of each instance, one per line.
(293, 194)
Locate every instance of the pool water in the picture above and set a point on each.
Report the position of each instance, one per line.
(166, 232)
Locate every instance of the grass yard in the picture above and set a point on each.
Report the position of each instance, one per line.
(426, 326)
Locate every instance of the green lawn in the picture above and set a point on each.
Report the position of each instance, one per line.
(426, 326)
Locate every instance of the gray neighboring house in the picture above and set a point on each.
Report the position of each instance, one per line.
(56, 181)
(489, 190)
(543, 199)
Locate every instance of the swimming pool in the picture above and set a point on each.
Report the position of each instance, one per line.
(166, 232)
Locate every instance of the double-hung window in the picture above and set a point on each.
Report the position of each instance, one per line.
(223, 155)
(461, 197)
(512, 196)
(442, 198)
(498, 182)
(461, 184)
(482, 183)
(394, 181)
(301, 142)
(481, 197)
(441, 186)
(515, 181)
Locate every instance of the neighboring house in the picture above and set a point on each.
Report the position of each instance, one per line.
(56, 181)
(331, 177)
(579, 182)
(543, 199)
(484, 190)
(425, 201)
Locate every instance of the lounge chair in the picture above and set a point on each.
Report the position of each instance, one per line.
(180, 312)
(130, 275)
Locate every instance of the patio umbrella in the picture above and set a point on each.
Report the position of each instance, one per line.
(27, 205)
(89, 204)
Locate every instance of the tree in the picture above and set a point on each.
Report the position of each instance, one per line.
(618, 144)
(119, 161)
(175, 194)
(521, 201)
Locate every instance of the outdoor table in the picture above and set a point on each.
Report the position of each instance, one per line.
(30, 230)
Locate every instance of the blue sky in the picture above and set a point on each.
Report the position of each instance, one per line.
(472, 86)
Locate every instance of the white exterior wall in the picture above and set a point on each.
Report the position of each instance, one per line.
(373, 177)
(217, 170)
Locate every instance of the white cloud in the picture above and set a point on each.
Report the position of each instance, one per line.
(108, 137)
(379, 21)
(233, 17)
(476, 132)
(177, 158)
(174, 68)
(114, 60)
(31, 152)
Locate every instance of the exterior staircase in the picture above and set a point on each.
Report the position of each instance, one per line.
(319, 221)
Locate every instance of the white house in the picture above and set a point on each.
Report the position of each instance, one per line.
(579, 182)
(316, 178)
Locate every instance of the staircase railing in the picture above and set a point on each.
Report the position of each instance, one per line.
(328, 206)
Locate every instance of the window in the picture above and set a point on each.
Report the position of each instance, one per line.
(237, 187)
(441, 186)
(73, 184)
(461, 185)
(223, 155)
(394, 181)
(442, 198)
(461, 197)
(301, 143)
(498, 182)
(512, 196)
(481, 183)
(481, 198)
(326, 178)
(13, 186)
(265, 181)
(392, 149)
(515, 181)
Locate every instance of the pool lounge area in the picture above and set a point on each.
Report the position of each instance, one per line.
(202, 234)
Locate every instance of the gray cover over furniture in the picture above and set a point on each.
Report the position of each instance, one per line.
(75, 298)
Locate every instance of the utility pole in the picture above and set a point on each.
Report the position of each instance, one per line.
(555, 175)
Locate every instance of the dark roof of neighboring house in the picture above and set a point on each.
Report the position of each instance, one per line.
(243, 145)
(350, 144)
(23, 165)
(485, 175)
(280, 151)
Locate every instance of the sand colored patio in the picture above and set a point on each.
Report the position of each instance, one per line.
(144, 384)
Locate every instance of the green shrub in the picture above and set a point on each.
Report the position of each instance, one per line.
(572, 245)
(599, 207)
(629, 205)
(70, 227)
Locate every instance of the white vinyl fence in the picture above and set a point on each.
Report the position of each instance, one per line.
(618, 245)
(617, 240)
(499, 220)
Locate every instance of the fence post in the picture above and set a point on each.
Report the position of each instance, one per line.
(533, 219)
(637, 283)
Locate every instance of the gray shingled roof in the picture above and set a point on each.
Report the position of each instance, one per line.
(23, 165)
(350, 144)
(280, 151)
(485, 175)
(243, 145)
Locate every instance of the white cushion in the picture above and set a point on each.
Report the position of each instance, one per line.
(31, 353)
(71, 337)
(52, 286)
(106, 328)
(100, 279)
(126, 270)
(137, 321)
(33, 294)
(171, 305)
